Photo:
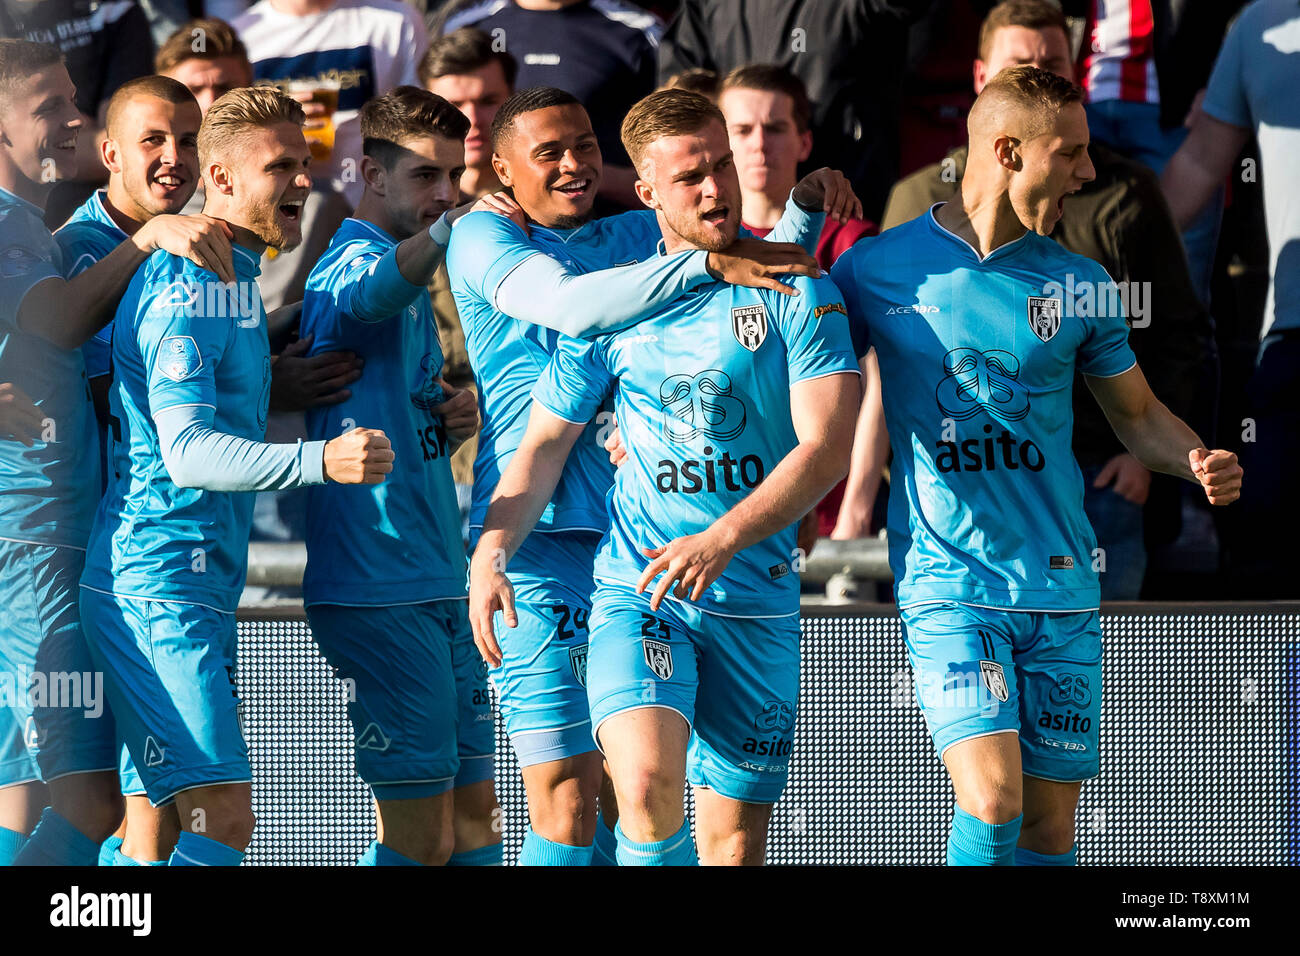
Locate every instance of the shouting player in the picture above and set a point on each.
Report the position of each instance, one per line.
(385, 580)
(979, 321)
(515, 290)
(167, 556)
(738, 406)
(52, 477)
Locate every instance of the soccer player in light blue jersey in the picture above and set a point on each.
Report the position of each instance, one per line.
(385, 580)
(738, 407)
(517, 288)
(979, 321)
(51, 472)
(168, 550)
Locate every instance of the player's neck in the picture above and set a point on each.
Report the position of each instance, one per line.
(763, 210)
(477, 181)
(546, 4)
(13, 180)
(371, 209)
(243, 236)
(982, 216)
(115, 201)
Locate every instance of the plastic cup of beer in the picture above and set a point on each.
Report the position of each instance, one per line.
(319, 129)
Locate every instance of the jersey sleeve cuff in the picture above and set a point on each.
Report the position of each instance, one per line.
(311, 457)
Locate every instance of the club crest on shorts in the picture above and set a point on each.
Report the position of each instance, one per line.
(995, 680)
(1044, 316)
(658, 657)
(578, 661)
(749, 325)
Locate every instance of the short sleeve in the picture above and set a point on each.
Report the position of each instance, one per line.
(1225, 94)
(1105, 351)
(575, 383)
(485, 248)
(815, 326)
(842, 275)
(180, 349)
(23, 263)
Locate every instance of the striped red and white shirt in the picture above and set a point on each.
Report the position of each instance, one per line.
(1120, 63)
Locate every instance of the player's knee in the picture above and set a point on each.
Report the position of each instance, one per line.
(992, 805)
(648, 795)
(565, 814)
(231, 824)
(92, 803)
(1049, 834)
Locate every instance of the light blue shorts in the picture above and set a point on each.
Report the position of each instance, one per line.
(981, 671)
(734, 679)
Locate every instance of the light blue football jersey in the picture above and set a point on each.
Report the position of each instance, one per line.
(398, 542)
(977, 361)
(181, 338)
(702, 398)
(508, 354)
(88, 236)
(47, 492)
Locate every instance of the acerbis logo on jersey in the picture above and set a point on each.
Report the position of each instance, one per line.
(658, 657)
(749, 325)
(917, 309)
(1044, 316)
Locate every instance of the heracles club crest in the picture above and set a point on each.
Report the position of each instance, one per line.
(1044, 316)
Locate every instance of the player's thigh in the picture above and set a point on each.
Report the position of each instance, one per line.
(169, 675)
(986, 776)
(746, 707)
(397, 666)
(541, 683)
(1058, 665)
(642, 678)
(730, 832)
(963, 670)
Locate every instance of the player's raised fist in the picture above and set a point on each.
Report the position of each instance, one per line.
(828, 190)
(755, 263)
(1218, 473)
(201, 239)
(359, 457)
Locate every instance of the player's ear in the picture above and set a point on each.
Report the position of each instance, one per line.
(805, 145)
(108, 155)
(502, 170)
(221, 178)
(646, 193)
(373, 174)
(1007, 150)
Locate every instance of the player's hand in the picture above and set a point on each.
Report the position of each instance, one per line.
(755, 263)
(310, 108)
(853, 521)
(299, 383)
(614, 445)
(490, 591)
(359, 457)
(1131, 478)
(201, 239)
(1218, 473)
(459, 411)
(830, 190)
(808, 533)
(689, 565)
(503, 204)
(20, 420)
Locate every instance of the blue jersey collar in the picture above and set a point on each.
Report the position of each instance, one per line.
(1007, 248)
(369, 226)
(250, 261)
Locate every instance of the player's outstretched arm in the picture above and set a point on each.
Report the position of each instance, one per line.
(517, 504)
(196, 455)
(1199, 166)
(825, 413)
(68, 313)
(1160, 440)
